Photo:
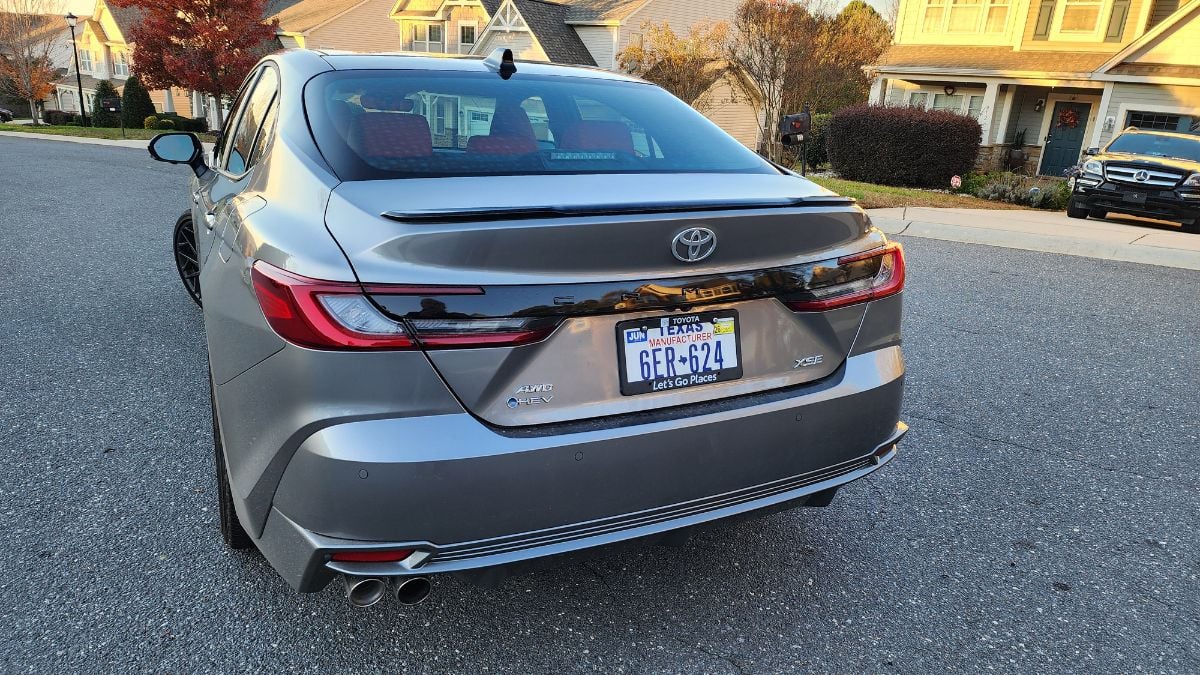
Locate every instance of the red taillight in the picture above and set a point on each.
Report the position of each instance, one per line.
(339, 315)
(372, 556)
(302, 311)
(856, 278)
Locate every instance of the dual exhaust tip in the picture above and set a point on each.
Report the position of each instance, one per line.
(367, 591)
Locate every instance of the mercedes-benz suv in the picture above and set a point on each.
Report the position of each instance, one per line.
(1155, 174)
(466, 312)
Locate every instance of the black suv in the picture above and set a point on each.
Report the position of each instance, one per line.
(1155, 174)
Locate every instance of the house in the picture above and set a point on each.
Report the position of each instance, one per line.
(353, 25)
(579, 32)
(1059, 75)
(105, 54)
(44, 34)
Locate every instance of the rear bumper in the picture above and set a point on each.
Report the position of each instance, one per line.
(474, 497)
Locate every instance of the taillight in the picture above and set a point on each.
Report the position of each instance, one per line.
(854, 278)
(371, 556)
(323, 314)
(339, 315)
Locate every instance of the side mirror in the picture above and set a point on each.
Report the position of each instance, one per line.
(179, 148)
(792, 128)
(1091, 151)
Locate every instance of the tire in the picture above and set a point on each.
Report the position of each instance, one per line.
(1098, 213)
(232, 532)
(1074, 211)
(1192, 227)
(187, 258)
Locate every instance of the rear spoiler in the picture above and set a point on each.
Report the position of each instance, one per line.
(453, 215)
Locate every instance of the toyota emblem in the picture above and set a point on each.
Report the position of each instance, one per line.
(1142, 176)
(694, 244)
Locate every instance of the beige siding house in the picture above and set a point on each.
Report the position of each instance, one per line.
(105, 54)
(352, 25)
(1059, 75)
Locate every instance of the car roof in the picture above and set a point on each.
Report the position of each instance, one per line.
(450, 62)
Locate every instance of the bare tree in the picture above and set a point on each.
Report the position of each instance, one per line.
(891, 12)
(29, 35)
(684, 66)
(770, 36)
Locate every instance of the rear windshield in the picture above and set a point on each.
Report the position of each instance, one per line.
(1159, 146)
(410, 124)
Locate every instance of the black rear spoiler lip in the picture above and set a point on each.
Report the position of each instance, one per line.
(540, 212)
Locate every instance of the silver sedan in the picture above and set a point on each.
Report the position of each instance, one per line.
(465, 314)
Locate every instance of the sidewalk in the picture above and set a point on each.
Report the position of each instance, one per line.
(1116, 238)
(140, 145)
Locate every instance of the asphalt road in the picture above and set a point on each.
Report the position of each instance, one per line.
(1041, 516)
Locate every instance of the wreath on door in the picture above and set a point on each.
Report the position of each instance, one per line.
(1068, 117)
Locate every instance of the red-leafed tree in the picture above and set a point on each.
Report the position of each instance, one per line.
(205, 45)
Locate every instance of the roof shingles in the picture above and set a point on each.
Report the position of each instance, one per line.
(989, 59)
(548, 22)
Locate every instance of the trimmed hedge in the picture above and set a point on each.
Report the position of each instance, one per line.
(135, 103)
(912, 147)
(101, 117)
(59, 118)
(197, 125)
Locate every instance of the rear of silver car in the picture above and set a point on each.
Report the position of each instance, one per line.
(520, 366)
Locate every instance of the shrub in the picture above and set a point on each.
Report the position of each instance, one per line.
(196, 125)
(101, 117)
(135, 103)
(818, 135)
(150, 122)
(902, 146)
(165, 124)
(1040, 193)
(59, 118)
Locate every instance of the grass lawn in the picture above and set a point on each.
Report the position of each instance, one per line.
(86, 132)
(871, 196)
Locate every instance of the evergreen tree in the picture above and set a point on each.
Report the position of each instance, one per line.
(136, 105)
(101, 117)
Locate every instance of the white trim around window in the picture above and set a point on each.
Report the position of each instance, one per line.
(963, 102)
(465, 47)
(1070, 19)
(964, 17)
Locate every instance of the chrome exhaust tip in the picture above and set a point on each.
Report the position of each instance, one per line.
(364, 591)
(411, 590)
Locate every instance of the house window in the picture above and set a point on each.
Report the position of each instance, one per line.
(997, 17)
(85, 60)
(974, 106)
(947, 102)
(935, 11)
(427, 37)
(964, 16)
(918, 99)
(1080, 16)
(466, 33)
(1149, 120)
(120, 64)
(435, 33)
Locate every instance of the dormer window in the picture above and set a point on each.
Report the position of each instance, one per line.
(85, 60)
(965, 16)
(120, 64)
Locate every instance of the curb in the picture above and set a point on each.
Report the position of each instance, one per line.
(1084, 248)
(133, 143)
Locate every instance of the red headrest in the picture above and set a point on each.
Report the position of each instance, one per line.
(390, 135)
(501, 145)
(597, 135)
(386, 100)
(511, 134)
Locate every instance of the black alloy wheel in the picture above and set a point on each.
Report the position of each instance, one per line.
(187, 258)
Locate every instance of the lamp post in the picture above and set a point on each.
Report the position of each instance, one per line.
(71, 21)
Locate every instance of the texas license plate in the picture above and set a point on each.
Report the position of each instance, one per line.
(678, 351)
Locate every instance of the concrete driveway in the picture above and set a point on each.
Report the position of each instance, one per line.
(1122, 238)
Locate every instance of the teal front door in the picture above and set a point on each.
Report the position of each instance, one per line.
(1065, 140)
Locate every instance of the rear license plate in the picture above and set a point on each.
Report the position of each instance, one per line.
(1134, 197)
(661, 353)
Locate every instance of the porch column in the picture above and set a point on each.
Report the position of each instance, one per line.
(985, 111)
(168, 101)
(1006, 107)
(878, 90)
